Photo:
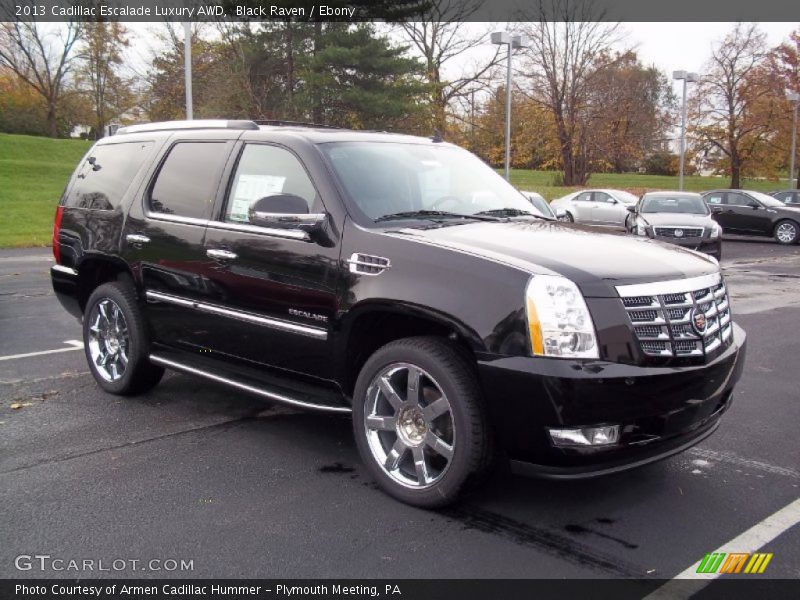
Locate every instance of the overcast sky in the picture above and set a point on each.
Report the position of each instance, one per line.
(668, 46)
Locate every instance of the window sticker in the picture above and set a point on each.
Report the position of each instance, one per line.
(249, 189)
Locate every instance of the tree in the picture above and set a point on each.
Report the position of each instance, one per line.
(784, 64)
(734, 107)
(628, 108)
(441, 38)
(101, 57)
(42, 60)
(561, 60)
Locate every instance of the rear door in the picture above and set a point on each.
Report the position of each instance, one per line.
(163, 238)
(275, 288)
(582, 205)
(606, 210)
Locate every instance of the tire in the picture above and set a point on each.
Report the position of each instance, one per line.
(427, 450)
(116, 341)
(569, 218)
(787, 232)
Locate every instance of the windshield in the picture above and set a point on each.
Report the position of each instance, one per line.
(404, 181)
(767, 200)
(539, 203)
(626, 197)
(674, 204)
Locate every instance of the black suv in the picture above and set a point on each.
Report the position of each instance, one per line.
(398, 278)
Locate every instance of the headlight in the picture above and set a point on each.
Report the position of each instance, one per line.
(558, 319)
(716, 231)
(641, 229)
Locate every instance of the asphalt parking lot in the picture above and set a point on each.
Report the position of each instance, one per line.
(197, 472)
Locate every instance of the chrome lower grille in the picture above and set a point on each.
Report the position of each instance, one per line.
(689, 317)
(678, 232)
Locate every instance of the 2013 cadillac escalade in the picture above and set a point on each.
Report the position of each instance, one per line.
(399, 279)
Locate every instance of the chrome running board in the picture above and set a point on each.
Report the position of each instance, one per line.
(239, 385)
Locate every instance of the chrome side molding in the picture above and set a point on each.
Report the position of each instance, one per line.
(307, 330)
(259, 391)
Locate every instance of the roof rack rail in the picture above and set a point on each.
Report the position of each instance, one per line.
(282, 123)
(195, 124)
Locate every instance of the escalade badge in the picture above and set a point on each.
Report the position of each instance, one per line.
(699, 322)
(679, 233)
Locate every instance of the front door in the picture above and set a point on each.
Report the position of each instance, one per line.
(606, 210)
(275, 288)
(747, 215)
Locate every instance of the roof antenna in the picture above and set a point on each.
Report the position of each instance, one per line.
(437, 136)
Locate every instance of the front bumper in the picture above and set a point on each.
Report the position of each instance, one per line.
(661, 410)
(709, 246)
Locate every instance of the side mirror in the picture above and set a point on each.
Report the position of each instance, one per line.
(631, 209)
(285, 211)
(716, 210)
(754, 206)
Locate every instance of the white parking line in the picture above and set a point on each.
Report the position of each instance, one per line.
(739, 461)
(73, 345)
(689, 582)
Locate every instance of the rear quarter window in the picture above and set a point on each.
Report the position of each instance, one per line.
(105, 175)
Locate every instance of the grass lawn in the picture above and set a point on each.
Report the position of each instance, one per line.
(33, 173)
(542, 182)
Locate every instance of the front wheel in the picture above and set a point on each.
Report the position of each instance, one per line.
(116, 341)
(419, 423)
(787, 232)
(569, 218)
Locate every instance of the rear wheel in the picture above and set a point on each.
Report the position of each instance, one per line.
(419, 423)
(787, 232)
(116, 341)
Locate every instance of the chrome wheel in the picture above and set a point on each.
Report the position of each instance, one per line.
(409, 425)
(786, 233)
(109, 341)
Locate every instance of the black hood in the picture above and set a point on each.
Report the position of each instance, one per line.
(595, 261)
(679, 219)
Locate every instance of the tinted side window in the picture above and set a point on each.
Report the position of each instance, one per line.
(265, 171)
(713, 199)
(735, 199)
(187, 182)
(106, 174)
(584, 197)
(603, 197)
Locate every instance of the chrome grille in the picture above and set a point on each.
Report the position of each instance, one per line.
(672, 232)
(662, 315)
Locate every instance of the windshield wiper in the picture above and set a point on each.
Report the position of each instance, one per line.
(510, 212)
(424, 214)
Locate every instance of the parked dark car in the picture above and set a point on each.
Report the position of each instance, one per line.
(680, 218)
(787, 196)
(746, 212)
(398, 279)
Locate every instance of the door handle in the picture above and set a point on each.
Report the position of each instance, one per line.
(221, 254)
(135, 238)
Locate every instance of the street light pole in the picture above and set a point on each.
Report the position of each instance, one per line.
(795, 98)
(686, 78)
(515, 41)
(187, 68)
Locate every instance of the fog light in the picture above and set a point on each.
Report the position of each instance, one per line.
(585, 436)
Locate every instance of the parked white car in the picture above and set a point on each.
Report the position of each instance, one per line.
(596, 207)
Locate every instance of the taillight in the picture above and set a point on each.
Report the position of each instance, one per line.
(56, 231)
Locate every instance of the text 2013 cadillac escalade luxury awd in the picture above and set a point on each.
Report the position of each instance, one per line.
(398, 279)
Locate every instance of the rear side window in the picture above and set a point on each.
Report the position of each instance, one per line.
(106, 175)
(187, 182)
(713, 199)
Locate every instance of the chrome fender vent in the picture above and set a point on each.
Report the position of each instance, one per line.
(364, 264)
